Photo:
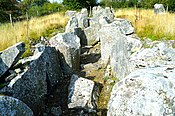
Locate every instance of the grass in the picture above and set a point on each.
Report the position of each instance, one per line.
(31, 30)
(148, 24)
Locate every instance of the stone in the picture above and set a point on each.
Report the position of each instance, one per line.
(32, 85)
(83, 20)
(72, 24)
(144, 92)
(81, 93)
(91, 34)
(159, 9)
(68, 46)
(11, 56)
(124, 25)
(107, 35)
(98, 12)
(70, 13)
(114, 50)
(159, 55)
(10, 106)
(134, 45)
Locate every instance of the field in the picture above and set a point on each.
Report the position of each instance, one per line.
(31, 30)
(148, 24)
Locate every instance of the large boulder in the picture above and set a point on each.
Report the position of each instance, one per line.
(68, 44)
(124, 25)
(99, 12)
(91, 34)
(159, 9)
(149, 91)
(160, 55)
(134, 45)
(11, 56)
(32, 85)
(81, 93)
(10, 106)
(114, 50)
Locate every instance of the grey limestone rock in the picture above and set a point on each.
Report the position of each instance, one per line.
(134, 45)
(91, 34)
(68, 46)
(124, 25)
(10, 106)
(114, 50)
(99, 12)
(144, 92)
(83, 20)
(81, 93)
(159, 9)
(159, 55)
(10, 56)
(72, 24)
(37, 80)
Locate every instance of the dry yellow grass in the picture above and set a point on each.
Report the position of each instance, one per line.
(147, 24)
(36, 27)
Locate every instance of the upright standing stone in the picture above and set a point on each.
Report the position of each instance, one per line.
(68, 44)
(114, 50)
(159, 9)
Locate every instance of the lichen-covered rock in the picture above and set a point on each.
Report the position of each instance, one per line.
(68, 44)
(159, 9)
(124, 25)
(144, 92)
(81, 93)
(160, 55)
(72, 24)
(114, 50)
(107, 35)
(99, 12)
(91, 34)
(10, 106)
(119, 58)
(83, 20)
(10, 56)
(32, 86)
(134, 45)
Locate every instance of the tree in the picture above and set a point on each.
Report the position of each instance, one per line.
(27, 4)
(78, 4)
(8, 7)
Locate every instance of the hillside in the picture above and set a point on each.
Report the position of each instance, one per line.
(31, 30)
